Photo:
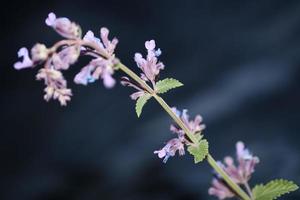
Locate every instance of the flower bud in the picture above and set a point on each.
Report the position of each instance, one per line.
(39, 52)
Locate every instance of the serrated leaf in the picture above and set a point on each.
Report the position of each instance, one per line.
(199, 152)
(167, 84)
(273, 189)
(140, 103)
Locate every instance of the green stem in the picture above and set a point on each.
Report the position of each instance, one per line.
(180, 123)
(135, 77)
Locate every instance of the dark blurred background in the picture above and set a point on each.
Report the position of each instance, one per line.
(239, 61)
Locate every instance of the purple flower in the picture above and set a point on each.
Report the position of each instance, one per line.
(109, 45)
(246, 164)
(63, 26)
(240, 174)
(170, 149)
(149, 65)
(178, 143)
(194, 126)
(220, 190)
(26, 63)
(97, 68)
(246, 160)
(56, 85)
(39, 52)
(90, 37)
(66, 57)
(65, 53)
(85, 75)
(104, 45)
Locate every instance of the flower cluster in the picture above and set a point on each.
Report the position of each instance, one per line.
(65, 53)
(99, 67)
(150, 67)
(178, 143)
(239, 174)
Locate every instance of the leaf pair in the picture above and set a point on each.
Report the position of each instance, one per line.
(160, 87)
(273, 189)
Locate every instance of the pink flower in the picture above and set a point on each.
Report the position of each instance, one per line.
(246, 164)
(194, 126)
(97, 68)
(246, 160)
(63, 26)
(109, 45)
(66, 57)
(178, 143)
(150, 66)
(170, 149)
(90, 37)
(240, 174)
(39, 52)
(85, 75)
(56, 85)
(26, 63)
(220, 190)
(65, 53)
(104, 45)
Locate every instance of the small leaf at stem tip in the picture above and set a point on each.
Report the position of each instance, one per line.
(140, 103)
(199, 152)
(167, 84)
(273, 189)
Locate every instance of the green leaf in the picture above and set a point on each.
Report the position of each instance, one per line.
(199, 152)
(166, 85)
(140, 103)
(273, 189)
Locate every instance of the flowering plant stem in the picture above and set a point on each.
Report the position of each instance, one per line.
(102, 66)
(180, 123)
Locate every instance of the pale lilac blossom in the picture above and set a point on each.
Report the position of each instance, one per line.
(56, 85)
(63, 26)
(106, 46)
(170, 149)
(110, 45)
(90, 37)
(39, 52)
(26, 62)
(220, 190)
(246, 164)
(240, 173)
(65, 53)
(178, 143)
(195, 126)
(85, 75)
(97, 68)
(149, 65)
(66, 57)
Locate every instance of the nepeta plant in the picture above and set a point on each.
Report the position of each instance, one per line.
(231, 178)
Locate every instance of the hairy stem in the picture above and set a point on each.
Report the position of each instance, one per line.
(180, 123)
